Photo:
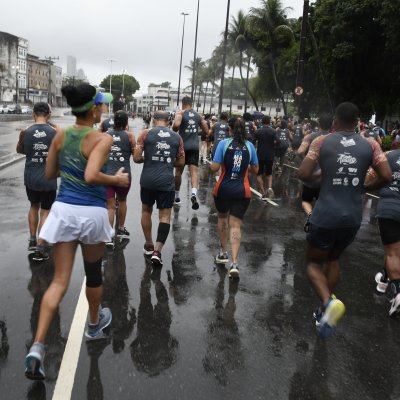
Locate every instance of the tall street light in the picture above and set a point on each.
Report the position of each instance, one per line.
(111, 62)
(180, 65)
(195, 49)
(16, 67)
(221, 92)
(123, 86)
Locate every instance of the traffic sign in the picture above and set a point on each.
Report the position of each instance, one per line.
(298, 91)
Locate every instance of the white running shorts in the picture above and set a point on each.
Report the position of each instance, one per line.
(69, 223)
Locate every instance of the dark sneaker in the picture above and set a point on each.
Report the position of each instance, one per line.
(123, 233)
(41, 254)
(177, 201)
(156, 259)
(32, 245)
(148, 249)
(222, 258)
(381, 286)
(34, 363)
(264, 197)
(195, 204)
(395, 307)
(307, 224)
(333, 312)
(317, 314)
(233, 271)
(95, 332)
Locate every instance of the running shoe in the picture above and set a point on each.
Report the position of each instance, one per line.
(177, 201)
(123, 233)
(148, 249)
(233, 271)
(34, 363)
(333, 312)
(156, 259)
(264, 197)
(307, 224)
(32, 245)
(271, 193)
(195, 204)
(222, 258)
(95, 332)
(317, 314)
(110, 244)
(395, 307)
(381, 286)
(41, 254)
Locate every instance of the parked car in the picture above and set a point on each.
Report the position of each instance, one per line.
(26, 110)
(14, 109)
(4, 109)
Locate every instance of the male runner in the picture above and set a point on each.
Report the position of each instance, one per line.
(344, 157)
(220, 131)
(266, 139)
(160, 149)
(108, 123)
(34, 142)
(187, 123)
(280, 151)
(250, 126)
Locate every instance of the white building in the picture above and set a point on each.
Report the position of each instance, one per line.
(71, 66)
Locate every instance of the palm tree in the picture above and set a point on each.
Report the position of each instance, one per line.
(269, 25)
(198, 80)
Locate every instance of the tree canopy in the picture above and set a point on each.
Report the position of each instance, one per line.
(121, 84)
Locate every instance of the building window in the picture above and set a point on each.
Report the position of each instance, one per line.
(262, 108)
(240, 107)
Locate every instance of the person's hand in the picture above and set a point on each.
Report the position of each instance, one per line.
(122, 178)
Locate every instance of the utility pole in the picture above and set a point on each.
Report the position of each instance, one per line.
(300, 69)
(50, 62)
(221, 91)
(180, 64)
(195, 50)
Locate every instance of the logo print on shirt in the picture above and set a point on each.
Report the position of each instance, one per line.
(237, 163)
(116, 138)
(115, 148)
(39, 146)
(162, 146)
(191, 115)
(38, 134)
(346, 159)
(163, 134)
(347, 142)
(355, 181)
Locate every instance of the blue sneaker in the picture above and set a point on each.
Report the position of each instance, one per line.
(95, 332)
(333, 312)
(34, 363)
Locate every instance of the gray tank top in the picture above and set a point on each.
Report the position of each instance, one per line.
(344, 160)
(297, 136)
(189, 129)
(36, 142)
(161, 146)
(389, 202)
(221, 132)
(120, 153)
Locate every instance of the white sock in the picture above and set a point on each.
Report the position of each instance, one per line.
(194, 191)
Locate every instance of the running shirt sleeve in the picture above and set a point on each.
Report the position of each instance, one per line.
(219, 153)
(315, 148)
(20, 144)
(181, 150)
(254, 159)
(378, 155)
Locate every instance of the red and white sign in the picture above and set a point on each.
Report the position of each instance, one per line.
(298, 91)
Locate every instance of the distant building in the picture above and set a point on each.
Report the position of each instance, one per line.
(71, 66)
(13, 68)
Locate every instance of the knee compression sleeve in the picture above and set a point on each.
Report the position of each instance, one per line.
(162, 232)
(94, 278)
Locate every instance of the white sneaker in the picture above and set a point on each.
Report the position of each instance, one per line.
(381, 287)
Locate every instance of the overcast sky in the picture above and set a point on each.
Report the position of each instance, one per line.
(143, 36)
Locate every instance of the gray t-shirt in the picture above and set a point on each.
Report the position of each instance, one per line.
(120, 153)
(221, 132)
(189, 129)
(344, 159)
(36, 143)
(161, 146)
(389, 202)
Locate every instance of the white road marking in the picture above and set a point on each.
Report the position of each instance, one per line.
(69, 364)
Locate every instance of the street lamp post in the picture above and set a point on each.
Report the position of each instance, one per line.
(16, 67)
(195, 49)
(180, 65)
(111, 61)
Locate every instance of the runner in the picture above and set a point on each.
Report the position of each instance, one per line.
(267, 140)
(344, 157)
(78, 216)
(389, 229)
(220, 131)
(311, 189)
(188, 123)
(250, 126)
(298, 135)
(236, 156)
(281, 150)
(121, 152)
(160, 149)
(108, 123)
(34, 142)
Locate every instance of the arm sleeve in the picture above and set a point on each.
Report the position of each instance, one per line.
(254, 158)
(219, 153)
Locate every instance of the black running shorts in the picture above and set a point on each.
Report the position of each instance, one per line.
(235, 207)
(331, 239)
(192, 157)
(389, 230)
(46, 199)
(164, 199)
(265, 167)
(309, 194)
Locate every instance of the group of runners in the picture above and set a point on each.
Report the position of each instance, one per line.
(338, 165)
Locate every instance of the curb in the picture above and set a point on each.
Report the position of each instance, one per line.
(15, 158)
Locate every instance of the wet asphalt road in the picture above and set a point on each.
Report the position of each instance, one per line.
(189, 332)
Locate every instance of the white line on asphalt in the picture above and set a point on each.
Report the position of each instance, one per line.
(69, 364)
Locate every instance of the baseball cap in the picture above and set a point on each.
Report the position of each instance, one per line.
(98, 98)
